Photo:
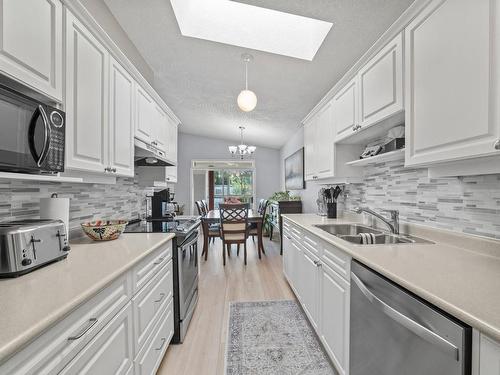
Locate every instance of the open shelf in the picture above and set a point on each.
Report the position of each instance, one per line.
(388, 156)
(37, 177)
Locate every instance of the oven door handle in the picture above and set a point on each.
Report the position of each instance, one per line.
(418, 329)
(39, 159)
(189, 241)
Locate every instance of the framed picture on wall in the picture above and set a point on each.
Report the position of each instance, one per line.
(294, 171)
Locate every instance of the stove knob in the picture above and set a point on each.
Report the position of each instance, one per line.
(26, 262)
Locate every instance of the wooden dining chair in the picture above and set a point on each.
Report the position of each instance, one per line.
(253, 229)
(234, 227)
(212, 229)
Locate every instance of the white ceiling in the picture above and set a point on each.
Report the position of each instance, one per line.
(200, 79)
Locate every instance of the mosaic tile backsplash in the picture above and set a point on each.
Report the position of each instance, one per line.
(465, 204)
(125, 200)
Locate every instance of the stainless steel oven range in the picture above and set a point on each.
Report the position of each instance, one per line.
(185, 264)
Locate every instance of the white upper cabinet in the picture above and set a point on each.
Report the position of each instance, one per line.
(325, 142)
(381, 85)
(86, 99)
(310, 148)
(31, 44)
(318, 143)
(121, 120)
(345, 105)
(452, 81)
(160, 128)
(172, 141)
(144, 115)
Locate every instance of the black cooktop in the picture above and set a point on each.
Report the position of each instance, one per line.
(179, 225)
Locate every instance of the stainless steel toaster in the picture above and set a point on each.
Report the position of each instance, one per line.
(28, 244)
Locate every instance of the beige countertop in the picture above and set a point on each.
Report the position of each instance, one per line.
(33, 302)
(464, 283)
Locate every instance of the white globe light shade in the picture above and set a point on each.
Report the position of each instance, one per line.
(247, 100)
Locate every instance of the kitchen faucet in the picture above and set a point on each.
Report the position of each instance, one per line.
(393, 224)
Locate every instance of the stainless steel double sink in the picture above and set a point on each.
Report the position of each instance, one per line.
(351, 233)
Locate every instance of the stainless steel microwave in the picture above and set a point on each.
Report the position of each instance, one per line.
(32, 134)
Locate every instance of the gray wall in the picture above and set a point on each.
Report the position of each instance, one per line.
(100, 11)
(465, 204)
(192, 147)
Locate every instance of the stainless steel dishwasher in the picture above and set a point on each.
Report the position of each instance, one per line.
(393, 332)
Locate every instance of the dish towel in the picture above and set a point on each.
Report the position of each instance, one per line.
(367, 238)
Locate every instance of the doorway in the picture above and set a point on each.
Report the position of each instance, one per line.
(222, 181)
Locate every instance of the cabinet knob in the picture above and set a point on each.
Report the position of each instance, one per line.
(354, 128)
(106, 169)
(114, 170)
(497, 144)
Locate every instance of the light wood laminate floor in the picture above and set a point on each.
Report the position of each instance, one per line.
(203, 350)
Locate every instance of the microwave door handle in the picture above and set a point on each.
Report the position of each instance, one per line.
(418, 329)
(39, 159)
(47, 135)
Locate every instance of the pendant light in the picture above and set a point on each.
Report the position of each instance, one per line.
(247, 100)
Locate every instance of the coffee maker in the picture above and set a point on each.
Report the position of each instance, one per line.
(159, 205)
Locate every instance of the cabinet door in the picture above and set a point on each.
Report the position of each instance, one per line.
(381, 84)
(86, 99)
(287, 254)
(172, 141)
(310, 149)
(309, 275)
(110, 352)
(334, 315)
(452, 82)
(171, 174)
(121, 120)
(144, 115)
(295, 269)
(160, 130)
(31, 44)
(325, 143)
(345, 116)
(489, 357)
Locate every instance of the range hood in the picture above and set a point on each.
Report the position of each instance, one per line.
(146, 155)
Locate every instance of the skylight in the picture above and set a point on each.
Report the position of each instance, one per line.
(252, 27)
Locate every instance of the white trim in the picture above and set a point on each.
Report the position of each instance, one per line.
(396, 28)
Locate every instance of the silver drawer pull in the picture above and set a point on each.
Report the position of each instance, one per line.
(92, 322)
(163, 341)
(162, 295)
(159, 261)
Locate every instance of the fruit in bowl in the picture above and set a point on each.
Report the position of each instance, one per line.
(104, 230)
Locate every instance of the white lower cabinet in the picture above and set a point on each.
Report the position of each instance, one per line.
(334, 317)
(489, 357)
(320, 281)
(309, 280)
(113, 332)
(111, 350)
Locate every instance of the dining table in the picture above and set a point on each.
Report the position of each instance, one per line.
(213, 217)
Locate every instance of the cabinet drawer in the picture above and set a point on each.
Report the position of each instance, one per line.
(337, 260)
(49, 353)
(296, 233)
(110, 352)
(149, 266)
(148, 303)
(311, 243)
(149, 359)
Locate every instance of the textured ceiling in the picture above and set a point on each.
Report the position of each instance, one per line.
(200, 80)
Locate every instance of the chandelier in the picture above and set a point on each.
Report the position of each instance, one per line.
(242, 149)
(247, 100)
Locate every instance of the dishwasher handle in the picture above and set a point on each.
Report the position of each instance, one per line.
(418, 329)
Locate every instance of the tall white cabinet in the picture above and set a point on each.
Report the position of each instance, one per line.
(31, 44)
(452, 55)
(87, 88)
(121, 120)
